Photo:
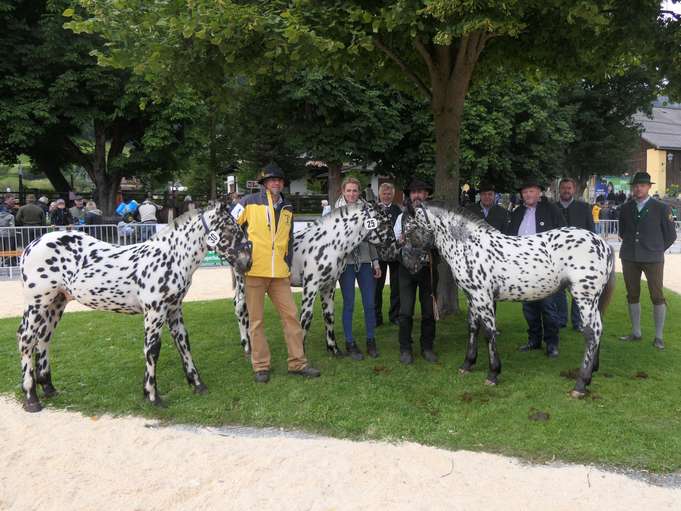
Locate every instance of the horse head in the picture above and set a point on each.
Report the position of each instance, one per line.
(378, 225)
(231, 244)
(418, 238)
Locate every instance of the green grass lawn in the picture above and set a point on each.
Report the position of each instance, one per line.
(632, 418)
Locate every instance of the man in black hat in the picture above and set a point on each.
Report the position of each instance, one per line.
(487, 207)
(267, 219)
(536, 214)
(647, 229)
(577, 214)
(426, 282)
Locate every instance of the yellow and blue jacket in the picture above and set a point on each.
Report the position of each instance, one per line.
(269, 227)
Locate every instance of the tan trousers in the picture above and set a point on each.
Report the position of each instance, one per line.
(279, 291)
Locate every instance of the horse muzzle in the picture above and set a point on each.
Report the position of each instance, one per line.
(242, 259)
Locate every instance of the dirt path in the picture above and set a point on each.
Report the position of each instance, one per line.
(59, 460)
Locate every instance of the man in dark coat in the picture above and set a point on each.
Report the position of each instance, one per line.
(577, 214)
(536, 214)
(425, 280)
(488, 209)
(647, 229)
(386, 194)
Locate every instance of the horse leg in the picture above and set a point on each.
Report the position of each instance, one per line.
(592, 330)
(153, 323)
(490, 326)
(306, 309)
(242, 314)
(43, 370)
(472, 351)
(328, 310)
(181, 339)
(34, 325)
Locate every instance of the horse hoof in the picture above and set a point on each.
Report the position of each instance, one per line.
(50, 391)
(158, 403)
(337, 353)
(463, 370)
(32, 406)
(577, 394)
(489, 382)
(200, 389)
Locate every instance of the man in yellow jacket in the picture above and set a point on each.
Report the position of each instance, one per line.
(267, 219)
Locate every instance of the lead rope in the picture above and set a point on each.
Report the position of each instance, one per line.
(436, 311)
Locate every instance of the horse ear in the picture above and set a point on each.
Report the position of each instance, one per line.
(409, 207)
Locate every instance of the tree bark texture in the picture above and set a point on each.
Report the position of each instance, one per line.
(334, 182)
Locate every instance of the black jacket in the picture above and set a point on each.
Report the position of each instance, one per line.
(646, 234)
(547, 217)
(578, 214)
(497, 216)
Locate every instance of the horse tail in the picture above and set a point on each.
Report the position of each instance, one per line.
(609, 288)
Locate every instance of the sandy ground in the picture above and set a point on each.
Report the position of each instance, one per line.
(59, 460)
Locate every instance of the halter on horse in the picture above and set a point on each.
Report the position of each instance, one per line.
(150, 278)
(319, 254)
(490, 266)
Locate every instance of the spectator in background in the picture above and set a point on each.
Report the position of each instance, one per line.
(60, 216)
(386, 194)
(188, 204)
(7, 240)
(93, 216)
(326, 209)
(576, 214)
(596, 216)
(30, 214)
(44, 203)
(147, 211)
(77, 211)
(487, 209)
(10, 204)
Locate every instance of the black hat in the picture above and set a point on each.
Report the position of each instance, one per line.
(270, 170)
(529, 183)
(486, 186)
(418, 184)
(642, 178)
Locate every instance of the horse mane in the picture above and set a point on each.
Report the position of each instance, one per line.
(459, 211)
(340, 211)
(184, 218)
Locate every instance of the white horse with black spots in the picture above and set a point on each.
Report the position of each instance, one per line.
(151, 278)
(490, 266)
(319, 254)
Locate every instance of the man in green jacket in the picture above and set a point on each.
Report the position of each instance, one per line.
(647, 229)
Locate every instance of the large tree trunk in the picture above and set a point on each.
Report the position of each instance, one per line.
(53, 173)
(213, 164)
(334, 181)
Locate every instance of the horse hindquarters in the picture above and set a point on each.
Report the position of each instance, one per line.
(34, 335)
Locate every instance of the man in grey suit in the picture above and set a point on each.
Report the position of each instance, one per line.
(647, 229)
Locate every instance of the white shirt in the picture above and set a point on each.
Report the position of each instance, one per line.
(641, 204)
(147, 212)
(528, 226)
(398, 227)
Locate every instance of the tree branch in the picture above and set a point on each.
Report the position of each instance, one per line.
(78, 156)
(425, 55)
(403, 66)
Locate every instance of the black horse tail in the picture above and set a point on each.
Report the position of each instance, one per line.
(609, 288)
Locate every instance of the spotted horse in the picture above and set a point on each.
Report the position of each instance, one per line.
(490, 266)
(151, 278)
(319, 254)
